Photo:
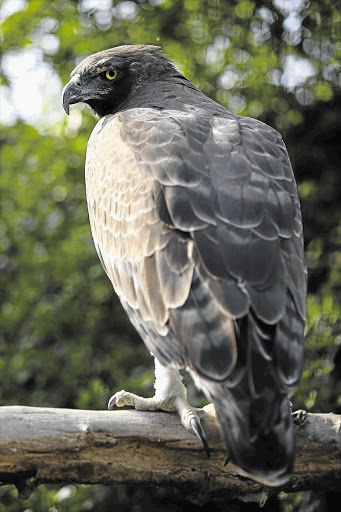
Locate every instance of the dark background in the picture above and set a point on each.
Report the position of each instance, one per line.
(64, 339)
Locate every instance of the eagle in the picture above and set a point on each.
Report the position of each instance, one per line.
(195, 217)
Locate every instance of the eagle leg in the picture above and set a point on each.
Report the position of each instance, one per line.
(170, 396)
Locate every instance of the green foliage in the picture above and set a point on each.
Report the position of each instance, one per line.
(70, 498)
(64, 339)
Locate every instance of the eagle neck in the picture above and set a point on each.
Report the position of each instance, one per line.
(167, 94)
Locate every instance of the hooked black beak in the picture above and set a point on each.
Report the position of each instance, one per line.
(72, 93)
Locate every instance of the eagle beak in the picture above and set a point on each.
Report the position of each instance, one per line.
(71, 94)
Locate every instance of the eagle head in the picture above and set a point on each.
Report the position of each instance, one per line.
(108, 80)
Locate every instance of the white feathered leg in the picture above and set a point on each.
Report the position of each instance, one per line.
(170, 395)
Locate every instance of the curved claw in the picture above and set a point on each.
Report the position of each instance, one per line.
(119, 399)
(112, 403)
(200, 433)
(299, 417)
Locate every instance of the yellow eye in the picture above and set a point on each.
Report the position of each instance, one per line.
(110, 74)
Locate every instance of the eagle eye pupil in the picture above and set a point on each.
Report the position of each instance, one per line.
(111, 74)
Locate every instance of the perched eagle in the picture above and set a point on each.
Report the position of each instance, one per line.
(196, 219)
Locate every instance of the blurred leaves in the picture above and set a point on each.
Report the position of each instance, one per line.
(64, 339)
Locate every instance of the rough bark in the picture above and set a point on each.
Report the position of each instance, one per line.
(40, 445)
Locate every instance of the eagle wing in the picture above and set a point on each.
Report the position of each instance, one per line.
(197, 223)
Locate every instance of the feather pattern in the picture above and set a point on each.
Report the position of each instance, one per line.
(196, 219)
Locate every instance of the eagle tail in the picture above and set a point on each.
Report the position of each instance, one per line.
(267, 456)
(253, 409)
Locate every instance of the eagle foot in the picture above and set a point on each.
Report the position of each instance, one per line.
(123, 398)
(170, 396)
(189, 418)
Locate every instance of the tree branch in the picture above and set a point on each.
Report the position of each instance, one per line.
(41, 445)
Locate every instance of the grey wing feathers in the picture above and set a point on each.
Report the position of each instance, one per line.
(228, 184)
